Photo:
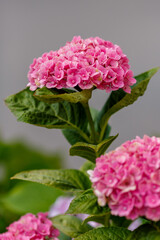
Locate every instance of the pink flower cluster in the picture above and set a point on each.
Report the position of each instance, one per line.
(30, 227)
(83, 63)
(128, 179)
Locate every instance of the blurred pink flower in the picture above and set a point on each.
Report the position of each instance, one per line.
(30, 227)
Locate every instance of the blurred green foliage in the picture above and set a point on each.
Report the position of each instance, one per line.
(18, 197)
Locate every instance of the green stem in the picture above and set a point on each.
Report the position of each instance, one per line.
(106, 222)
(103, 130)
(83, 135)
(90, 120)
(155, 226)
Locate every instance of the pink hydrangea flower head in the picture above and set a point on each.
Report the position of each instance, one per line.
(30, 227)
(85, 63)
(128, 179)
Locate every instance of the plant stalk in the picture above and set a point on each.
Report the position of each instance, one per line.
(91, 122)
(103, 130)
(107, 218)
(155, 226)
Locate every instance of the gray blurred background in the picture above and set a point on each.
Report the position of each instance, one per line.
(32, 27)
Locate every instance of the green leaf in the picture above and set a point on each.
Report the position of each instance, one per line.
(63, 236)
(87, 166)
(39, 198)
(90, 151)
(70, 225)
(102, 219)
(11, 155)
(56, 115)
(119, 99)
(63, 179)
(144, 232)
(73, 136)
(111, 233)
(58, 95)
(119, 221)
(16, 156)
(86, 202)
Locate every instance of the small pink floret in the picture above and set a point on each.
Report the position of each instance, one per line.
(128, 179)
(30, 227)
(86, 63)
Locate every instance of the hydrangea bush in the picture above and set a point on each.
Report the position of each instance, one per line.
(111, 189)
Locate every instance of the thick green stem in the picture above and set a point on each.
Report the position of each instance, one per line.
(91, 123)
(107, 218)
